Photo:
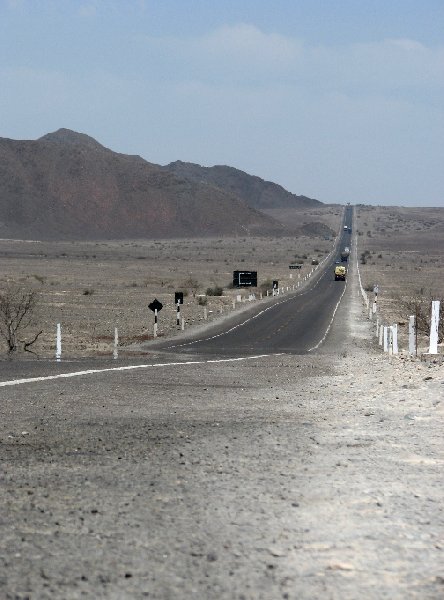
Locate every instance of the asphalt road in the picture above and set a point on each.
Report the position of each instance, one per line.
(295, 323)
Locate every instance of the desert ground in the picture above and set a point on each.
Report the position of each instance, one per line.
(92, 287)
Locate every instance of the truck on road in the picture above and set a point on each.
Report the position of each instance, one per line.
(345, 254)
(340, 273)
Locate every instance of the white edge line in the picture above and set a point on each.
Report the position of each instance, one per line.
(331, 322)
(131, 367)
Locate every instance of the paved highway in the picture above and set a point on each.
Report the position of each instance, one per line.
(296, 322)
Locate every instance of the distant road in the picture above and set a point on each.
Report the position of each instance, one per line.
(297, 323)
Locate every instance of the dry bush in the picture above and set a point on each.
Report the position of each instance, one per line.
(420, 306)
(17, 307)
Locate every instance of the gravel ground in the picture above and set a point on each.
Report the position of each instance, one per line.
(297, 477)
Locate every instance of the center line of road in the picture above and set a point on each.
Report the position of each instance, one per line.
(132, 367)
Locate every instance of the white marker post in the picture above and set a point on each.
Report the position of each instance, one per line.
(58, 343)
(395, 338)
(116, 343)
(385, 339)
(155, 322)
(412, 335)
(178, 314)
(434, 323)
(381, 334)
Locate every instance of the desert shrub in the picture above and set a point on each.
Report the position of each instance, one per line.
(39, 278)
(88, 292)
(17, 306)
(215, 291)
(202, 300)
(191, 284)
(266, 285)
(420, 305)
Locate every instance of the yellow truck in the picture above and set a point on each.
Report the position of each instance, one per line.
(340, 273)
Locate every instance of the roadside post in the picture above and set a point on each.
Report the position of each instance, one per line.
(178, 300)
(116, 343)
(156, 307)
(394, 329)
(58, 343)
(381, 334)
(375, 301)
(412, 335)
(275, 287)
(434, 323)
(385, 338)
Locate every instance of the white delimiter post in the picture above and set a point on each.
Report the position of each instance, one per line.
(116, 343)
(395, 338)
(59, 342)
(412, 336)
(155, 322)
(381, 333)
(385, 338)
(433, 348)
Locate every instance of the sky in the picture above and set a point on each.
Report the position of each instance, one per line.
(339, 100)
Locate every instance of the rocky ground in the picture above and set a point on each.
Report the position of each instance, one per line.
(293, 477)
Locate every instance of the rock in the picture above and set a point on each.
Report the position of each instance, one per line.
(340, 566)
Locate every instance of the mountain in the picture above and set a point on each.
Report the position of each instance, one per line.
(66, 185)
(256, 192)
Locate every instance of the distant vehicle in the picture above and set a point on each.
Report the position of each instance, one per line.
(345, 227)
(340, 273)
(345, 254)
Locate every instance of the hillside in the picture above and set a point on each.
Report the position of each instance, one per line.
(67, 185)
(256, 192)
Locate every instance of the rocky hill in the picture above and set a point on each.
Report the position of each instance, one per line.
(67, 185)
(256, 192)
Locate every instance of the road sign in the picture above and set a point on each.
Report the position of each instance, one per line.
(244, 279)
(155, 305)
(375, 289)
(178, 297)
(295, 266)
(275, 284)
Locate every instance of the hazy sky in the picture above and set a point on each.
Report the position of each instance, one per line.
(340, 100)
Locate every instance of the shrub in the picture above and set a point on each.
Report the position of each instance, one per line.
(216, 291)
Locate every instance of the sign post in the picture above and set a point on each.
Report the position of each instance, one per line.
(178, 300)
(155, 306)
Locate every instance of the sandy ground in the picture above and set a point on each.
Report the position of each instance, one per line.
(294, 477)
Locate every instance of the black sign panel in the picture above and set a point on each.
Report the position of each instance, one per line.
(155, 305)
(295, 266)
(275, 284)
(244, 278)
(178, 298)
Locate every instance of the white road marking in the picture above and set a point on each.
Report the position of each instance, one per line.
(331, 322)
(131, 367)
(292, 297)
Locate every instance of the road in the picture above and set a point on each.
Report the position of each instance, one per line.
(295, 323)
